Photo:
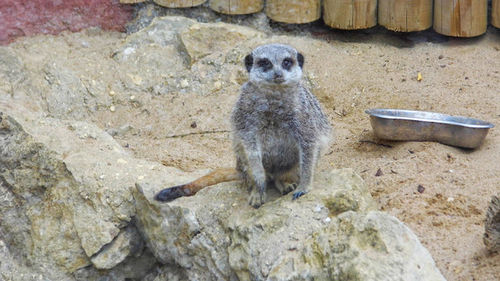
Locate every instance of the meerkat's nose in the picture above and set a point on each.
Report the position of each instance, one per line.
(278, 74)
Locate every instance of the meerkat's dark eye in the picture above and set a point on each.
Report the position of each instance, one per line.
(265, 64)
(287, 63)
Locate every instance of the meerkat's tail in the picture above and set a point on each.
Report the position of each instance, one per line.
(189, 189)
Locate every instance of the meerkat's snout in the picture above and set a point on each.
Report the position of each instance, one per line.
(278, 76)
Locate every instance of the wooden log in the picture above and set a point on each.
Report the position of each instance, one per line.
(131, 1)
(405, 15)
(293, 11)
(350, 14)
(495, 13)
(237, 7)
(460, 18)
(179, 3)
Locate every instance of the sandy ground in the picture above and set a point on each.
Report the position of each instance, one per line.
(354, 72)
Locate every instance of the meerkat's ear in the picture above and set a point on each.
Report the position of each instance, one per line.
(249, 62)
(300, 59)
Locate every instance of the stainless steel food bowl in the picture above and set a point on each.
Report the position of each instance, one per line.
(409, 125)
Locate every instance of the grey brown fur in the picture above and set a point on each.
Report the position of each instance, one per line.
(492, 225)
(279, 128)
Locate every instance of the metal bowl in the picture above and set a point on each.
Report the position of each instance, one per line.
(410, 125)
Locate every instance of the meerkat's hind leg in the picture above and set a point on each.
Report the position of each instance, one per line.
(288, 181)
(285, 187)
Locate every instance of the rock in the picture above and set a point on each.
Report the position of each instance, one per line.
(126, 243)
(371, 246)
(67, 95)
(66, 186)
(203, 39)
(215, 235)
(159, 48)
(166, 272)
(132, 268)
(15, 81)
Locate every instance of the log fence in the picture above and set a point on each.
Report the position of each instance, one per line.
(457, 18)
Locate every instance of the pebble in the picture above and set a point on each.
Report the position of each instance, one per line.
(112, 108)
(184, 83)
(318, 208)
(217, 85)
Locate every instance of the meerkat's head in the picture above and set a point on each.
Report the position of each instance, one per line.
(275, 65)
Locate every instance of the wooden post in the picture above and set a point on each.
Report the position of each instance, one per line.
(405, 15)
(179, 3)
(495, 13)
(350, 14)
(237, 7)
(460, 18)
(293, 11)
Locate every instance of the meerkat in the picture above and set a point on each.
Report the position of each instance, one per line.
(279, 130)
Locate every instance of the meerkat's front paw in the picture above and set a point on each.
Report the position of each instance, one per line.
(256, 198)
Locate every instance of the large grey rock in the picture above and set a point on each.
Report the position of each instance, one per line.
(66, 187)
(333, 233)
(371, 246)
(200, 40)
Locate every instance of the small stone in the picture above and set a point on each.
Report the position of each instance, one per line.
(217, 85)
(112, 108)
(132, 98)
(440, 57)
(317, 209)
(379, 173)
(419, 77)
(194, 125)
(112, 93)
(450, 199)
(184, 83)
(420, 188)
(121, 161)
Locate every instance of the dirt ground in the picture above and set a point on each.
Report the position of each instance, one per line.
(357, 71)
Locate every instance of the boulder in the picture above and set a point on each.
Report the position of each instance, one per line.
(200, 40)
(67, 202)
(332, 233)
